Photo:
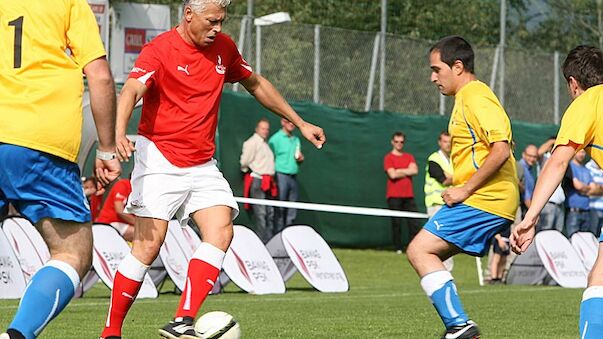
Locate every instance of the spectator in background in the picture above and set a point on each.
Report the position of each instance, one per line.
(287, 157)
(94, 196)
(578, 202)
(528, 161)
(596, 198)
(257, 162)
(112, 212)
(552, 216)
(438, 174)
(400, 167)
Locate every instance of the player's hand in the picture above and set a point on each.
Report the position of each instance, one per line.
(455, 195)
(314, 134)
(523, 235)
(107, 171)
(124, 148)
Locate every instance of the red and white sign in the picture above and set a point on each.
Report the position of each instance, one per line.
(314, 259)
(12, 281)
(108, 251)
(100, 8)
(27, 243)
(560, 259)
(587, 247)
(249, 265)
(134, 25)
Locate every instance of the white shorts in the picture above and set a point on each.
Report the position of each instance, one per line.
(161, 190)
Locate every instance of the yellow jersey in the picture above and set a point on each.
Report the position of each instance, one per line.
(478, 120)
(582, 124)
(41, 83)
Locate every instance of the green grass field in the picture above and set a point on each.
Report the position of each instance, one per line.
(384, 301)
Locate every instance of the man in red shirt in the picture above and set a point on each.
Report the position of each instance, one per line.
(112, 212)
(400, 167)
(181, 74)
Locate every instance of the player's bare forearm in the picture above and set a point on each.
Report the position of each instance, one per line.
(130, 94)
(102, 102)
(267, 95)
(549, 179)
(499, 153)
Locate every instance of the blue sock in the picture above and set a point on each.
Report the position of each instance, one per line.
(46, 295)
(440, 288)
(591, 313)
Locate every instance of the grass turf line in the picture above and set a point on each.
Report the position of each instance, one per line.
(384, 301)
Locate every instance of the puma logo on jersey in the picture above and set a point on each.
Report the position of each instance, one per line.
(183, 69)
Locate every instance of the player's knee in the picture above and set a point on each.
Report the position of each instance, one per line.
(413, 253)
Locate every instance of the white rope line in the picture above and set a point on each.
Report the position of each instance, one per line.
(379, 212)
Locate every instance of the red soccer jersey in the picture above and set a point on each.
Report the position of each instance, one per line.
(184, 86)
(120, 192)
(398, 188)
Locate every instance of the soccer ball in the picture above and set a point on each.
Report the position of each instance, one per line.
(216, 325)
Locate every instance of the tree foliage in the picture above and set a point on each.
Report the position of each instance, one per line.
(534, 24)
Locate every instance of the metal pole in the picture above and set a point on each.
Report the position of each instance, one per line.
(442, 104)
(382, 69)
(556, 90)
(316, 64)
(371, 82)
(249, 28)
(258, 49)
(241, 45)
(503, 28)
(494, 67)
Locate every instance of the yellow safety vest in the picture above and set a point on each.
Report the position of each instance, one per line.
(433, 188)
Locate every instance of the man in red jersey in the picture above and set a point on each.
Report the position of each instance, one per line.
(113, 213)
(400, 167)
(181, 74)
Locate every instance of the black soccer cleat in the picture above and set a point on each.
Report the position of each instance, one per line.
(179, 328)
(465, 331)
(12, 334)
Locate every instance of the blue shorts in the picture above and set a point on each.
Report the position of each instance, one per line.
(41, 185)
(469, 228)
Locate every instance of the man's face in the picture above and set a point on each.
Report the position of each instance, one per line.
(445, 143)
(580, 156)
(441, 74)
(89, 188)
(203, 27)
(398, 143)
(530, 155)
(287, 125)
(263, 129)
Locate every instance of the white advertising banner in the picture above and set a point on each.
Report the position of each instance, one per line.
(133, 26)
(109, 249)
(100, 8)
(175, 253)
(249, 265)
(12, 281)
(27, 243)
(528, 269)
(277, 250)
(314, 259)
(587, 247)
(560, 259)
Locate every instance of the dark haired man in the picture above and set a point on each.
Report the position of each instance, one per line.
(581, 129)
(484, 196)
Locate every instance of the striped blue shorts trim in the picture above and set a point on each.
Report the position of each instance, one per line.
(469, 228)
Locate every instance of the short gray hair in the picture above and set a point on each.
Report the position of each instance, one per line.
(199, 6)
